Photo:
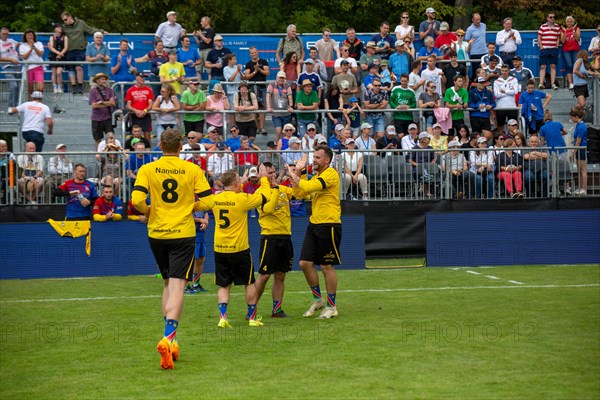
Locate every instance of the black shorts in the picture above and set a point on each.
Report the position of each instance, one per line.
(276, 254)
(174, 257)
(74, 55)
(196, 126)
(145, 123)
(401, 126)
(322, 243)
(99, 128)
(502, 116)
(247, 128)
(581, 90)
(479, 124)
(234, 268)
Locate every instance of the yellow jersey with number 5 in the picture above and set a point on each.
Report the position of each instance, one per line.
(176, 188)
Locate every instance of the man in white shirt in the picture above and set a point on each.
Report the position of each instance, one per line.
(35, 116)
(508, 39)
(337, 66)
(506, 88)
(435, 75)
(9, 53)
(410, 141)
(219, 162)
(170, 32)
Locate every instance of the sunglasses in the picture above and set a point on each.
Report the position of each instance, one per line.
(551, 16)
(191, 137)
(405, 17)
(376, 85)
(460, 35)
(233, 130)
(326, 35)
(312, 129)
(288, 130)
(193, 84)
(431, 87)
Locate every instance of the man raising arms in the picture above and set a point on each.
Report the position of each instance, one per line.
(324, 232)
(233, 260)
(173, 185)
(276, 249)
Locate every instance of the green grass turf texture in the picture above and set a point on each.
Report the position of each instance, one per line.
(412, 333)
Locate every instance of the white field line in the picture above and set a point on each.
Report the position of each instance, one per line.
(473, 272)
(516, 282)
(494, 277)
(304, 292)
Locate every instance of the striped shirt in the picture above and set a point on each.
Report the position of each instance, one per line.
(549, 36)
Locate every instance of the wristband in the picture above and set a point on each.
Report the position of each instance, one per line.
(80, 196)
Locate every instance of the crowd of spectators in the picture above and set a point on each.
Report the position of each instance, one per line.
(358, 83)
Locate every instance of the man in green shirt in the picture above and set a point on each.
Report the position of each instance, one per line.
(402, 98)
(193, 99)
(75, 30)
(456, 99)
(306, 99)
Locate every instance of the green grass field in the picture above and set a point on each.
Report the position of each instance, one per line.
(507, 332)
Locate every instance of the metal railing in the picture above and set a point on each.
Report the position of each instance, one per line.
(407, 174)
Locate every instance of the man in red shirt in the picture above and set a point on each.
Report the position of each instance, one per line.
(107, 207)
(445, 39)
(140, 99)
(548, 40)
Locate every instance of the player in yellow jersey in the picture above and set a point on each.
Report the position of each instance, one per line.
(324, 232)
(233, 261)
(177, 188)
(276, 249)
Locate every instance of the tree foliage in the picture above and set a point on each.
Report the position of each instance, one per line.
(273, 16)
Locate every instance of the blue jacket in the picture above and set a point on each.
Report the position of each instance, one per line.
(476, 98)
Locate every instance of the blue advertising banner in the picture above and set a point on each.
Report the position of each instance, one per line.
(266, 45)
(35, 250)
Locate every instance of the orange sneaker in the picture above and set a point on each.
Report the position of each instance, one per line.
(166, 358)
(175, 350)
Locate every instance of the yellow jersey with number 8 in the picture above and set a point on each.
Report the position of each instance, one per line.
(176, 188)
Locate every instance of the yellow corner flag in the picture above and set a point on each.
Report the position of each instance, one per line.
(75, 229)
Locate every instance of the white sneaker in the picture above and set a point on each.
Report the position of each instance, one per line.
(314, 306)
(328, 312)
(571, 86)
(582, 192)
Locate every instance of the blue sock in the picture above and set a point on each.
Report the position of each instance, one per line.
(316, 291)
(251, 311)
(171, 329)
(223, 310)
(331, 299)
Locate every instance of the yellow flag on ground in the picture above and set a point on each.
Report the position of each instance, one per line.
(75, 229)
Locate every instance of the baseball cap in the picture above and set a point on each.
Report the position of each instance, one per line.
(271, 143)
(60, 146)
(353, 99)
(343, 62)
(424, 135)
(413, 126)
(171, 13)
(454, 143)
(252, 172)
(321, 139)
(430, 10)
(391, 130)
(365, 125)
(481, 79)
(293, 140)
(195, 82)
(372, 65)
(399, 43)
(141, 74)
(221, 146)
(218, 37)
(309, 61)
(281, 74)
(134, 141)
(311, 126)
(385, 62)
(512, 122)
(338, 127)
(349, 140)
(481, 140)
(444, 26)
(37, 95)
(211, 129)
(517, 58)
(436, 125)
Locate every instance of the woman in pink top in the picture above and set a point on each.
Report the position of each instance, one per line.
(218, 101)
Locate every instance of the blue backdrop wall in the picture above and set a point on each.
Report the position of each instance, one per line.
(513, 238)
(35, 250)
